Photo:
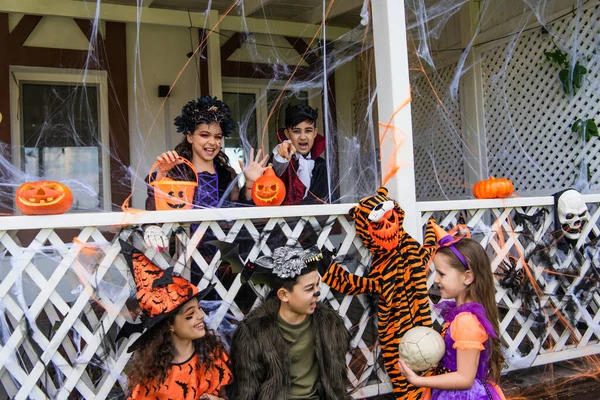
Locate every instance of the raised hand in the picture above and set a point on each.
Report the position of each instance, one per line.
(166, 161)
(255, 168)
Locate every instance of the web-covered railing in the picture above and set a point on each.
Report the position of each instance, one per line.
(65, 288)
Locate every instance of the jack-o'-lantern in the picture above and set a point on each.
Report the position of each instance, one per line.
(384, 231)
(43, 197)
(493, 188)
(378, 221)
(268, 190)
(171, 194)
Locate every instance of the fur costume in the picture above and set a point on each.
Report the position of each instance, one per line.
(398, 275)
(261, 360)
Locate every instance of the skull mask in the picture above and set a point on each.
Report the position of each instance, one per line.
(572, 213)
(384, 225)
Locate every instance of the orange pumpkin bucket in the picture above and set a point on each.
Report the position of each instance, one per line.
(170, 194)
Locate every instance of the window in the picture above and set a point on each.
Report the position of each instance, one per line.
(61, 133)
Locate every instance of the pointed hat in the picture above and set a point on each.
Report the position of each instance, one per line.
(159, 293)
(445, 239)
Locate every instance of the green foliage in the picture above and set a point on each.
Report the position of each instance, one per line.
(571, 78)
(586, 128)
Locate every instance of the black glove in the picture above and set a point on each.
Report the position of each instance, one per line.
(325, 262)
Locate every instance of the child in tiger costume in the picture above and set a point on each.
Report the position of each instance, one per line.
(398, 275)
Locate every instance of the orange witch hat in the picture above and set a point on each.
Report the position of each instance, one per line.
(439, 232)
(159, 292)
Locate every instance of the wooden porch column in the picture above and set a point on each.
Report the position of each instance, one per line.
(214, 57)
(393, 102)
(471, 102)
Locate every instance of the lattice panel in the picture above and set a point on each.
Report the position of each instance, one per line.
(558, 321)
(438, 146)
(528, 117)
(61, 304)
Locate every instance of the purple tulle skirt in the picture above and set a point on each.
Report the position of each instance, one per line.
(477, 392)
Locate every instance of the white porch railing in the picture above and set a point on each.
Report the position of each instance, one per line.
(63, 295)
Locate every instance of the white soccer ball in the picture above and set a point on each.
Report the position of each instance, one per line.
(421, 348)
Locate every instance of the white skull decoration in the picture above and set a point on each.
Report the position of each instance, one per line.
(572, 213)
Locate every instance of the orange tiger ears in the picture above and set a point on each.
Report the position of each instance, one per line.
(382, 191)
(352, 212)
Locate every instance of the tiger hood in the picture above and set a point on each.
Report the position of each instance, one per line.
(378, 221)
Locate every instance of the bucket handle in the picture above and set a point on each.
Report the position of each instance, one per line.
(185, 161)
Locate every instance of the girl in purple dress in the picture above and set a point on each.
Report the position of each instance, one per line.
(204, 124)
(473, 359)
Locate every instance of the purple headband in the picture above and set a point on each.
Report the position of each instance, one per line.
(449, 242)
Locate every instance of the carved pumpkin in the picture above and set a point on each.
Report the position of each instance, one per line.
(493, 188)
(43, 197)
(268, 190)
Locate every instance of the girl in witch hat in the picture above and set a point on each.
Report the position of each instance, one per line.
(473, 359)
(176, 357)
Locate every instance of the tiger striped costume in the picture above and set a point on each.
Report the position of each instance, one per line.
(398, 275)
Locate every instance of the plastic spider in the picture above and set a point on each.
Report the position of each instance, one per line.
(512, 278)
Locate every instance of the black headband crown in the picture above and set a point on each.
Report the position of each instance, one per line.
(205, 110)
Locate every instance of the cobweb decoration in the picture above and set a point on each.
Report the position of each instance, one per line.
(528, 117)
(437, 138)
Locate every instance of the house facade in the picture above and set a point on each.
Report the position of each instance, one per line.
(88, 93)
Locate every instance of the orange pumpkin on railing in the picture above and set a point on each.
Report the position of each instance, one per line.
(268, 190)
(43, 197)
(493, 188)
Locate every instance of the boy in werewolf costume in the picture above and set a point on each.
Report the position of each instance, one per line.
(291, 346)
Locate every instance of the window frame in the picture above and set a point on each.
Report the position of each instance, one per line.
(258, 88)
(75, 77)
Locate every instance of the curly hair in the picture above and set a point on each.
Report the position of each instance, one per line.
(153, 361)
(205, 110)
(296, 114)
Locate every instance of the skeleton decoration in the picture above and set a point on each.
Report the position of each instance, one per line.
(571, 212)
